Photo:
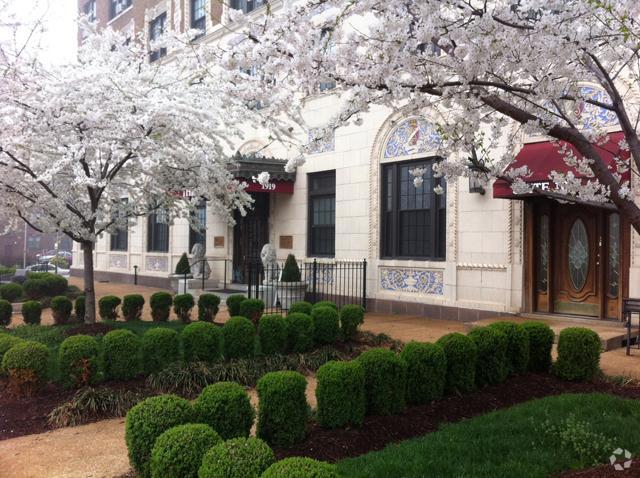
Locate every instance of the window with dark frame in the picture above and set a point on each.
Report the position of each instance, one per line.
(329, 84)
(158, 231)
(413, 218)
(322, 214)
(198, 236)
(90, 10)
(246, 5)
(156, 29)
(116, 7)
(120, 238)
(199, 16)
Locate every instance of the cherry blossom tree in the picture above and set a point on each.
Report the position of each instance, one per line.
(86, 148)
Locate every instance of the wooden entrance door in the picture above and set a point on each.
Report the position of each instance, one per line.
(250, 233)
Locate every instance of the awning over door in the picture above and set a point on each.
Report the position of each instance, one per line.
(542, 158)
(248, 166)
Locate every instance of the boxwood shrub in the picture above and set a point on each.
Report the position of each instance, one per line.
(517, 346)
(182, 306)
(300, 332)
(79, 308)
(301, 467)
(252, 309)
(34, 288)
(178, 452)
(6, 342)
(132, 305)
(326, 324)
(273, 334)
(578, 354)
(351, 316)
(237, 458)
(32, 312)
(61, 307)
(26, 363)
(283, 408)
(385, 381)
(426, 371)
(302, 306)
(325, 303)
(239, 337)
(108, 307)
(78, 361)
(6, 311)
(54, 284)
(491, 364)
(541, 339)
(201, 342)
(226, 407)
(340, 394)
(233, 304)
(160, 347)
(462, 355)
(208, 305)
(160, 303)
(121, 354)
(11, 292)
(149, 419)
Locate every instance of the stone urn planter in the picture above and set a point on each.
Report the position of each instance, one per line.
(290, 288)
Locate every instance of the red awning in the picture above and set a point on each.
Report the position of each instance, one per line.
(542, 158)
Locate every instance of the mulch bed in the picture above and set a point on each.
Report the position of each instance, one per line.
(605, 471)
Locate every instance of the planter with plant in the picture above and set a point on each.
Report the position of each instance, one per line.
(182, 269)
(290, 287)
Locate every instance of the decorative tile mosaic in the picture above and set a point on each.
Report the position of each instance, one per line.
(422, 281)
(118, 261)
(590, 115)
(323, 146)
(412, 136)
(324, 273)
(156, 264)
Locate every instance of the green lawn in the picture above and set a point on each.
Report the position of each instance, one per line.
(536, 439)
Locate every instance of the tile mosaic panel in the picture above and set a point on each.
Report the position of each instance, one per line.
(422, 281)
(156, 264)
(412, 136)
(118, 261)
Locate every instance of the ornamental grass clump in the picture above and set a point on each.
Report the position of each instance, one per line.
(202, 342)
(579, 351)
(491, 364)
(233, 304)
(301, 467)
(239, 338)
(385, 375)
(541, 339)
(517, 346)
(237, 458)
(208, 306)
(462, 354)
(351, 317)
(252, 309)
(61, 308)
(160, 347)
(121, 354)
(273, 334)
(182, 306)
(160, 303)
(132, 305)
(301, 332)
(108, 307)
(226, 407)
(26, 364)
(32, 312)
(326, 325)
(6, 311)
(78, 361)
(340, 394)
(426, 372)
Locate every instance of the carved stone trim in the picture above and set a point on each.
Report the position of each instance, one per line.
(484, 267)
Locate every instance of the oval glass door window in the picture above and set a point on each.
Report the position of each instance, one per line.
(578, 254)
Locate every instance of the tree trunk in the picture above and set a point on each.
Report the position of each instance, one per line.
(89, 289)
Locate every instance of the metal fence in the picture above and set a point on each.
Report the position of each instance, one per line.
(340, 281)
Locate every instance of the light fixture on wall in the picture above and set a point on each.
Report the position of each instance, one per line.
(476, 173)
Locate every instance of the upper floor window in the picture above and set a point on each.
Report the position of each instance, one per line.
(197, 232)
(156, 29)
(116, 7)
(89, 10)
(158, 231)
(328, 44)
(246, 5)
(198, 15)
(120, 238)
(322, 214)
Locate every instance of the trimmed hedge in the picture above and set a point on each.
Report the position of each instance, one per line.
(108, 307)
(160, 347)
(132, 305)
(11, 292)
(202, 342)
(301, 467)
(149, 419)
(426, 372)
(517, 346)
(32, 312)
(326, 324)
(578, 354)
(340, 394)
(226, 407)
(351, 316)
(301, 332)
(283, 408)
(239, 337)
(385, 381)
(61, 307)
(237, 458)
(160, 303)
(121, 354)
(6, 342)
(233, 304)
(302, 306)
(491, 366)
(252, 309)
(208, 305)
(27, 357)
(79, 308)
(78, 361)
(325, 303)
(462, 354)
(6, 311)
(182, 305)
(541, 339)
(34, 288)
(178, 452)
(273, 333)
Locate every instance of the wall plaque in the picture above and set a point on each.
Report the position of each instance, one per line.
(218, 241)
(286, 242)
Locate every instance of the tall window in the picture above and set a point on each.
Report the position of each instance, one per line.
(413, 218)
(116, 7)
(158, 231)
(156, 29)
(322, 214)
(325, 38)
(246, 5)
(198, 15)
(198, 235)
(89, 10)
(120, 238)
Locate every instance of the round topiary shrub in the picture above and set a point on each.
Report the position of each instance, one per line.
(160, 347)
(325, 303)
(385, 381)
(252, 309)
(32, 312)
(132, 305)
(578, 354)
(302, 307)
(54, 284)
(326, 324)
(160, 303)
(300, 331)
(208, 305)
(6, 342)
(121, 354)
(226, 407)
(301, 467)
(11, 292)
(6, 311)
(273, 334)
(426, 372)
(283, 408)
(34, 288)
(351, 316)
(79, 308)
(517, 346)
(182, 305)
(237, 458)
(340, 394)
(541, 339)
(61, 307)
(78, 361)
(26, 364)
(201, 342)
(149, 419)
(233, 304)
(108, 307)
(462, 355)
(239, 337)
(491, 364)
(178, 452)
